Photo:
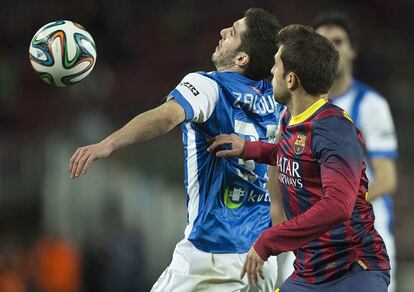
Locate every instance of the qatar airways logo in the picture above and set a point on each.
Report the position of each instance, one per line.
(288, 172)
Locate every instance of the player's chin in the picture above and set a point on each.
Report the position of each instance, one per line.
(214, 56)
(280, 98)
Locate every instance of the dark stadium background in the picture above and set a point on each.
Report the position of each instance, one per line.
(115, 228)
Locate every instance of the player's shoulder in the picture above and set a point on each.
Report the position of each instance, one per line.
(330, 110)
(370, 95)
(372, 103)
(330, 116)
(200, 80)
(333, 125)
(237, 79)
(200, 75)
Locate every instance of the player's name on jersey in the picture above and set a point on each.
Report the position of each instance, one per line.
(259, 104)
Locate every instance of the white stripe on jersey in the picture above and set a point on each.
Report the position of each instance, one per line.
(202, 94)
(192, 179)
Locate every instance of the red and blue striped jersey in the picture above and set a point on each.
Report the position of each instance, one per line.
(321, 173)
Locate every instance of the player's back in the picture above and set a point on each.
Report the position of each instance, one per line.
(228, 205)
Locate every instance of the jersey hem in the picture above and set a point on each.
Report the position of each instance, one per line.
(218, 251)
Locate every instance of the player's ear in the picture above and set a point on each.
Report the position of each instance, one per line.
(353, 54)
(292, 81)
(242, 59)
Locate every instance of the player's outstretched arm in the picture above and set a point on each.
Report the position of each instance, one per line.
(143, 127)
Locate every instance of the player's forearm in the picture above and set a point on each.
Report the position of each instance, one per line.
(335, 207)
(382, 186)
(385, 180)
(145, 126)
(260, 152)
(302, 229)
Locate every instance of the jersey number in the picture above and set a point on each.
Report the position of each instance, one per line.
(248, 131)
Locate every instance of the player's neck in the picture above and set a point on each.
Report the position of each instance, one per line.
(300, 102)
(230, 68)
(341, 84)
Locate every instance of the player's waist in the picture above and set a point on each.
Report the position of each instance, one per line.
(226, 233)
(329, 270)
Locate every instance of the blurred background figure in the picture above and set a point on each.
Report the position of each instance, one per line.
(12, 266)
(139, 44)
(54, 265)
(371, 113)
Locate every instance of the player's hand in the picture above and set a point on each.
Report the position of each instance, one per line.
(237, 145)
(253, 266)
(84, 156)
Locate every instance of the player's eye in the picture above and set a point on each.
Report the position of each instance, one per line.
(337, 41)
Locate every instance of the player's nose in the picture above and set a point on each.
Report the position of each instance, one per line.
(223, 32)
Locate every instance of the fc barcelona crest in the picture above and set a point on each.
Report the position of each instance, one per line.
(299, 144)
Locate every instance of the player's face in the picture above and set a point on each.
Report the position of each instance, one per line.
(281, 93)
(228, 47)
(341, 41)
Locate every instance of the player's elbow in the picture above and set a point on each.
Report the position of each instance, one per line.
(341, 210)
(344, 212)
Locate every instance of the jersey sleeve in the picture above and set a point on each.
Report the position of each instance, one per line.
(377, 126)
(339, 152)
(198, 95)
(261, 152)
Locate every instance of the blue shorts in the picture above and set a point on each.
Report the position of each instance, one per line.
(356, 280)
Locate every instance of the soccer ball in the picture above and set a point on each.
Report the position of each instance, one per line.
(62, 53)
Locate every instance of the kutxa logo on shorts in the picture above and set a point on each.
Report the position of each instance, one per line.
(299, 144)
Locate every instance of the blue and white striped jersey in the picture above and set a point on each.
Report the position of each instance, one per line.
(371, 114)
(228, 205)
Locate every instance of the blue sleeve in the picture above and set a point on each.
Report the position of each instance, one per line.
(188, 109)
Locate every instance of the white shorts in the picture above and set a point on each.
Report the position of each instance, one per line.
(195, 270)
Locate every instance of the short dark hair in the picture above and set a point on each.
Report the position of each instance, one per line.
(259, 42)
(310, 56)
(338, 19)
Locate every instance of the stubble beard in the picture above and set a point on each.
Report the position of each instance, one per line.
(223, 60)
(282, 97)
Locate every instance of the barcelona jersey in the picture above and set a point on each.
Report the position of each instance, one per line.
(321, 173)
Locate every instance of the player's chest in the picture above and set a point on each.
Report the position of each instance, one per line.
(295, 158)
